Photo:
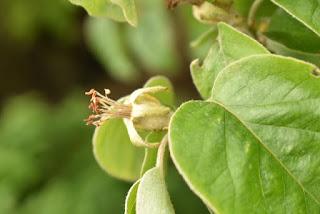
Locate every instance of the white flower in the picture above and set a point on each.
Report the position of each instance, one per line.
(140, 110)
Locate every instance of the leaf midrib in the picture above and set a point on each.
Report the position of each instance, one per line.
(267, 149)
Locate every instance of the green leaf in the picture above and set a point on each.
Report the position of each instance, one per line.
(101, 8)
(281, 49)
(167, 97)
(152, 195)
(129, 10)
(292, 33)
(231, 45)
(115, 153)
(104, 39)
(130, 207)
(306, 11)
(254, 147)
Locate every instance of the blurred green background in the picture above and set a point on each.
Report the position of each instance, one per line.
(50, 54)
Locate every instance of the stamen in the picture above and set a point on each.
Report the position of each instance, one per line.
(104, 108)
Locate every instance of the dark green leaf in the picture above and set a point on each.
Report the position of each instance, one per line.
(306, 11)
(292, 33)
(280, 49)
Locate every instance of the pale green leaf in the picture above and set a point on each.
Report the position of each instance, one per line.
(115, 153)
(167, 97)
(255, 146)
(152, 195)
(101, 8)
(130, 207)
(306, 11)
(231, 45)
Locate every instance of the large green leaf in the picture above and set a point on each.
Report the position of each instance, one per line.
(255, 146)
(152, 195)
(231, 45)
(306, 11)
(104, 39)
(115, 153)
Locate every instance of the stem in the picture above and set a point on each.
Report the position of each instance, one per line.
(161, 153)
(253, 11)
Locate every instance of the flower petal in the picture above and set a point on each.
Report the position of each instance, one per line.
(135, 137)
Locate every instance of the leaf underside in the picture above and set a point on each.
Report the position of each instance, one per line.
(152, 195)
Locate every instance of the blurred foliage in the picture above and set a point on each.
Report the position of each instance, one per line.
(47, 165)
(158, 45)
(24, 21)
